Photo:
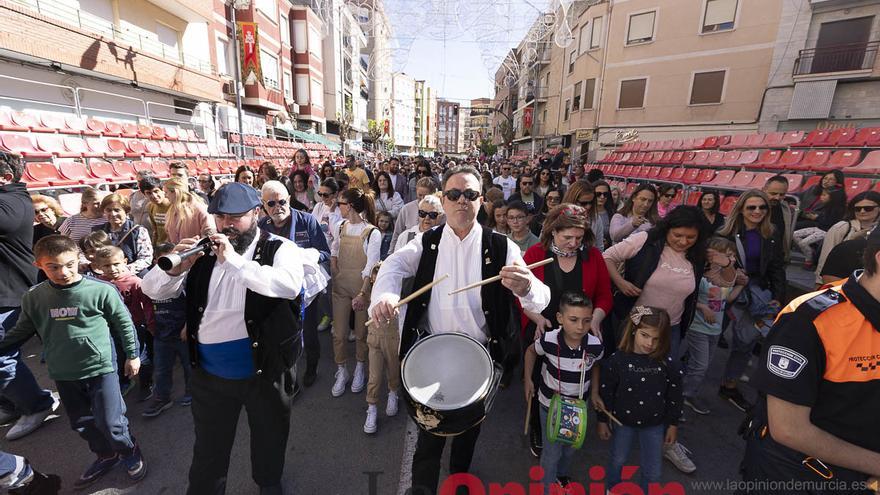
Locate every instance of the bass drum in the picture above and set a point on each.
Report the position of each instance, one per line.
(449, 383)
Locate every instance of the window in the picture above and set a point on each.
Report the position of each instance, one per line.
(302, 89)
(589, 90)
(567, 105)
(707, 87)
(584, 39)
(571, 58)
(299, 37)
(596, 33)
(223, 65)
(641, 28)
(576, 99)
(267, 7)
(288, 86)
(314, 42)
(632, 93)
(284, 27)
(317, 93)
(269, 65)
(719, 15)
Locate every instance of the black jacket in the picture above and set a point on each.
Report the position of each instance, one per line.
(17, 272)
(771, 274)
(273, 324)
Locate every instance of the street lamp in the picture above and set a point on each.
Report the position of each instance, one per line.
(236, 5)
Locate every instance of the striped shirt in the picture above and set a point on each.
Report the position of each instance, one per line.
(78, 226)
(562, 366)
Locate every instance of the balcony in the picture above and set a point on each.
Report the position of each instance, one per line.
(857, 59)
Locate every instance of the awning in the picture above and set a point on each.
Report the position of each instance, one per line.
(312, 138)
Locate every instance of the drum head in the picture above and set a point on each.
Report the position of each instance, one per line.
(447, 371)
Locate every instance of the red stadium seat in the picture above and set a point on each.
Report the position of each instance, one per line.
(795, 182)
(142, 166)
(30, 121)
(693, 198)
(869, 165)
(171, 133)
(112, 128)
(839, 137)
(767, 159)
(760, 179)
(813, 160)
(102, 169)
(46, 173)
(866, 136)
(117, 146)
(22, 145)
(53, 122)
(95, 126)
(720, 141)
(134, 148)
(723, 178)
(179, 149)
(747, 158)
(731, 159)
(124, 170)
(7, 124)
(791, 138)
(755, 140)
(676, 144)
(192, 150)
(790, 159)
(740, 181)
(813, 138)
(54, 144)
(774, 140)
(76, 125)
(678, 174)
(665, 173)
(152, 148)
(77, 147)
(129, 130)
(102, 148)
(160, 167)
(810, 182)
(630, 188)
(737, 141)
(690, 176)
(856, 185)
(145, 131)
(841, 159)
(167, 149)
(158, 132)
(715, 158)
(727, 204)
(77, 171)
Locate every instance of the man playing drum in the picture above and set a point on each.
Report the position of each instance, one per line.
(468, 253)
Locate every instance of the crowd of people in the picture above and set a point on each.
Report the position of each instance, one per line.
(628, 314)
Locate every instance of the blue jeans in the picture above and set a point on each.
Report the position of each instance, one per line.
(18, 386)
(555, 457)
(745, 336)
(97, 412)
(675, 342)
(700, 348)
(165, 352)
(650, 453)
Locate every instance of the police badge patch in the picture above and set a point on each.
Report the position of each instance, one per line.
(784, 362)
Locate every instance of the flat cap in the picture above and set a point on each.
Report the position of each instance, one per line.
(234, 198)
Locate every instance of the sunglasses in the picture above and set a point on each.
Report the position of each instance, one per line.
(757, 207)
(607, 194)
(585, 204)
(866, 209)
(42, 210)
(273, 204)
(524, 183)
(433, 215)
(670, 196)
(517, 218)
(455, 194)
(325, 195)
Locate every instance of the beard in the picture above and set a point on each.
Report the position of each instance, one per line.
(242, 240)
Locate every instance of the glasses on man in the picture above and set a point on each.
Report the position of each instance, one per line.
(433, 215)
(866, 209)
(526, 183)
(455, 194)
(516, 218)
(273, 203)
(756, 207)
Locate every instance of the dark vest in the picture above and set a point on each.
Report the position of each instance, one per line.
(273, 324)
(129, 244)
(497, 300)
(637, 271)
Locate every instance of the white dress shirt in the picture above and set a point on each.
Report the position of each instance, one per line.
(461, 259)
(223, 319)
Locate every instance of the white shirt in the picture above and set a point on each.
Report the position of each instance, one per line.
(223, 319)
(408, 216)
(403, 239)
(372, 246)
(462, 312)
(507, 185)
(391, 204)
(326, 219)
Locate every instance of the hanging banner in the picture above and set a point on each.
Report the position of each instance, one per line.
(527, 121)
(248, 40)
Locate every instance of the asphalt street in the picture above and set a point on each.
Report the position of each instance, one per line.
(328, 453)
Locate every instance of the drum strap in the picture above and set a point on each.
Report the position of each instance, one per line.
(559, 370)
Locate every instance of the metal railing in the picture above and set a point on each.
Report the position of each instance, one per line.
(105, 28)
(837, 58)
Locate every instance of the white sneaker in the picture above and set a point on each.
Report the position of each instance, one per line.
(351, 336)
(324, 324)
(391, 407)
(341, 381)
(28, 423)
(678, 454)
(370, 423)
(360, 377)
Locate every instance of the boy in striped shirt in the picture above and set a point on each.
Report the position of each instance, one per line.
(568, 356)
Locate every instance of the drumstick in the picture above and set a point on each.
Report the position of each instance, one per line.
(606, 411)
(528, 417)
(414, 295)
(498, 277)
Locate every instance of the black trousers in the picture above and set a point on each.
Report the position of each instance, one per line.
(216, 406)
(310, 335)
(429, 450)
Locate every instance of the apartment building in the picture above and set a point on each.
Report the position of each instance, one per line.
(425, 129)
(403, 112)
(447, 126)
(136, 61)
(479, 124)
(825, 67)
(376, 55)
(505, 102)
(464, 114)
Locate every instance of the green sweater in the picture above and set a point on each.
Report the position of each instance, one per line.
(75, 323)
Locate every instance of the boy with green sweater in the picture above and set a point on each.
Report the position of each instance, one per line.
(75, 317)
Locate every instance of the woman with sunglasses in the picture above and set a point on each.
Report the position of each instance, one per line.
(581, 193)
(664, 202)
(355, 250)
(639, 213)
(762, 258)
(552, 199)
(544, 183)
(48, 217)
(430, 216)
(605, 207)
(207, 185)
(862, 213)
(577, 266)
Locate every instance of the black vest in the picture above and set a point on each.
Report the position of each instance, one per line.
(273, 324)
(497, 300)
(129, 243)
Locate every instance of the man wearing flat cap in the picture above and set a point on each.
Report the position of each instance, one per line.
(242, 316)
